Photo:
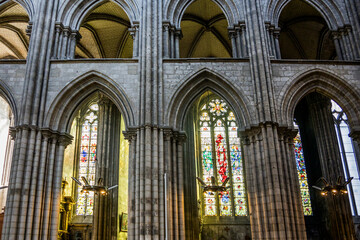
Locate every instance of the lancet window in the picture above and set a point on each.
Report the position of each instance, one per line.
(87, 159)
(302, 176)
(221, 158)
(348, 156)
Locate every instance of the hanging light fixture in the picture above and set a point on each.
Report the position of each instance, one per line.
(336, 189)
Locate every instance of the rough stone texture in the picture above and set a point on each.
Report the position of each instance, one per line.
(153, 94)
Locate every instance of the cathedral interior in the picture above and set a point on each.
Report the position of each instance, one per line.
(179, 119)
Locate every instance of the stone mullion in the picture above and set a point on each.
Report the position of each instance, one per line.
(46, 208)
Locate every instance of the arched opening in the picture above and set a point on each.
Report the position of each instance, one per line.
(217, 177)
(6, 150)
(323, 149)
(14, 42)
(105, 33)
(304, 33)
(99, 155)
(205, 32)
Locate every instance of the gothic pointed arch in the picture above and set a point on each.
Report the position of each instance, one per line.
(6, 93)
(174, 11)
(14, 20)
(72, 12)
(329, 10)
(69, 99)
(327, 84)
(196, 85)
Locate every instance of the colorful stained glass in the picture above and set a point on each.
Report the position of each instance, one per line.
(221, 159)
(303, 182)
(85, 202)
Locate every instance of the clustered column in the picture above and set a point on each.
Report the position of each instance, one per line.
(337, 212)
(108, 145)
(274, 196)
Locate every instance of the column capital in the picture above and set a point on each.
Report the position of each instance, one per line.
(130, 134)
(355, 134)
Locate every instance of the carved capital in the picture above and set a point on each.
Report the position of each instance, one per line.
(130, 134)
(168, 134)
(65, 139)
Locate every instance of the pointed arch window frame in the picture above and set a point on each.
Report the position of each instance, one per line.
(199, 161)
(85, 113)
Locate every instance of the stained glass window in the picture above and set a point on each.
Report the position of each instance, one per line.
(303, 180)
(221, 158)
(348, 156)
(88, 143)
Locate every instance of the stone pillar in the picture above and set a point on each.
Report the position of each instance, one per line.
(339, 51)
(130, 135)
(274, 195)
(337, 211)
(134, 33)
(178, 36)
(232, 37)
(106, 207)
(276, 34)
(74, 39)
(166, 41)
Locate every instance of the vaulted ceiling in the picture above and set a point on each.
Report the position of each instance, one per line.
(14, 42)
(304, 33)
(104, 33)
(204, 29)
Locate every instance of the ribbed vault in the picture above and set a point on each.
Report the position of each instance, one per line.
(104, 33)
(204, 32)
(14, 42)
(304, 33)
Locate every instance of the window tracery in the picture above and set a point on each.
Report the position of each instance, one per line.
(87, 159)
(221, 158)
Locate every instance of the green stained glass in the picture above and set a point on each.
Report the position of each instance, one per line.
(221, 159)
(88, 143)
(302, 176)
